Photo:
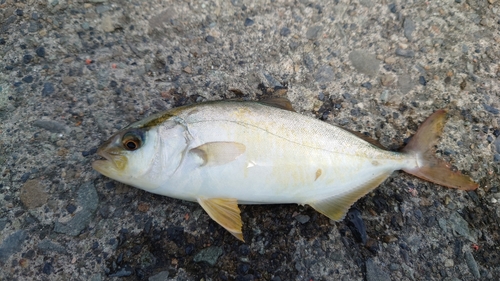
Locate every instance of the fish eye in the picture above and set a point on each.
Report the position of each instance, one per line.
(132, 141)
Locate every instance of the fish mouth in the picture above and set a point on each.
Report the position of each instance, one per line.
(111, 164)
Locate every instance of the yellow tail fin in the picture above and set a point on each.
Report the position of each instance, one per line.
(429, 167)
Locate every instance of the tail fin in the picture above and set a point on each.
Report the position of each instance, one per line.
(429, 167)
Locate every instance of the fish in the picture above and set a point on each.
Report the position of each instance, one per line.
(224, 153)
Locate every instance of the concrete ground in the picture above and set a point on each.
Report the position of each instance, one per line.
(74, 72)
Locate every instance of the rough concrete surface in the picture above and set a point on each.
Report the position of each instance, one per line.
(72, 72)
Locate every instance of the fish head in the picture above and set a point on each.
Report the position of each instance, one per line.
(129, 156)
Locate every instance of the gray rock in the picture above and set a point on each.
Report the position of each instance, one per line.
(491, 109)
(33, 27)
(159, 277)
(272, 81)
(405, 53)
(367, 3)
(405, 83)
(3, 223)
(33, 194)
(394, 267)
(123, 272)
(384, 96)
(308, 62)
(209, 255)
(375, 273)
(496, 157)
(248, 22)
(314, 32)
(12, 244)
(497, 144)
(48, 89)
(210, 39)
(85, 25)
(107, 24)
(285, 31)
(408, 28)
(302, 218)
(88, 200)
(442, 224)
(102, 9)
(460, 226)
(364, 62)
(471, 262)
(96, 277)
(48, 246)
(324, 74)
(50, 125)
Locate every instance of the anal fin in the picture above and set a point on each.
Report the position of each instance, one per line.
(225, 212)
(336, 207)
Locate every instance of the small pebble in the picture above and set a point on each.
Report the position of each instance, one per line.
(390, 60)
(48, 88)
(27, 59)
(409, 27)
(71, 208)
(357, 226)
(496, 158)
(209, 255)
(367, 85)
(384, 96)
(27, 79)
(393, 8)
(285, 31)
(2, 41)
(405, 53)
(491, 109)
(314, 32)
(248, 22)
(47, 268)
(302, 218)
(40, 51)
(19, 12)
(123, 272)
(422, 81)
(210, 39)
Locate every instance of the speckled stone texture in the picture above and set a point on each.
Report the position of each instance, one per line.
(72, 72)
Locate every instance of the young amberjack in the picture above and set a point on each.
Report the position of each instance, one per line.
(225, 153)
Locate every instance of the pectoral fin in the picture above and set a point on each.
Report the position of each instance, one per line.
(219, 153)
(336, 207)
(225, 212)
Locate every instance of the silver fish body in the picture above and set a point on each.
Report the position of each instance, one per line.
(226, 153)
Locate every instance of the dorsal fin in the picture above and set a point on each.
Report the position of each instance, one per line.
(281, 103)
